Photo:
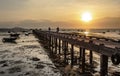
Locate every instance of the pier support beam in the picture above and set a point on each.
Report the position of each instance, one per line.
(91, 59)
(72, 55)
(65, 51)
(83, 60)
(49, 42)
(52, 44)
(59, 47)
(103, 65)
(80, 56)
(55, 45)
(66, 44)
(49, 29)
(65, 57)
(62, 46)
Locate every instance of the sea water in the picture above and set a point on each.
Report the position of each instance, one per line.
(16, 59)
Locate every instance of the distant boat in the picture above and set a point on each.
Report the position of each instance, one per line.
(14, 35)
(118, 33)
(11, 39)
(26, 34)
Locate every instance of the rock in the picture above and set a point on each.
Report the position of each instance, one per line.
(14, 69)
(4, 65)
(18, 62)
(4, 61)
(39, 66)
(31, 46)
(2, 72)
(86, 74)
(55, 71)
(20, 75)
(116, 74)
(27, 73)
(35, 59)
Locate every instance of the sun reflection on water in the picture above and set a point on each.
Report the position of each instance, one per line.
(86, 33)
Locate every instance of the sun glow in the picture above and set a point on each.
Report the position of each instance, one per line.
(86, 32)
(86, 16)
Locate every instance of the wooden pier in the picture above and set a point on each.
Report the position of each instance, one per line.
(61, 42)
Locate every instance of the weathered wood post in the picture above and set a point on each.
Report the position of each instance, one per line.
(80, 56)
(46, 37)
(67, 50)
(62, 46)
(103, 63)
(56, 40)
(59, 47)
(83, 60)
(91, 57)
(67, 46)
(55, 45)
(64, 49)
(52, 44)
(49, 38)
(72, 55)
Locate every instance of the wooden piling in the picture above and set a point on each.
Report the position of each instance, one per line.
(52, 44)
(72, 55)
(91, 59)
(103, 65)
(83, 60)
(91, 56)
(80, 56)
(64, 50)
(62, 46)
(59, 47)
(66, 44)
(55, 45)
(49, 38)
(49, 42)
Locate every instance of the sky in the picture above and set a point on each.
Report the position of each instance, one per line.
(57, 10)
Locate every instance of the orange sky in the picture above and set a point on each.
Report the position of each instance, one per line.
(61, 10)
(56, 10)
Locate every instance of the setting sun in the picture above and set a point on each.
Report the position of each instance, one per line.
(86, 17)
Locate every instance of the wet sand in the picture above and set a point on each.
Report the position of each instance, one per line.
(26, 57)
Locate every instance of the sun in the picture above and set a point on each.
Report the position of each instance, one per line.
(86, 16)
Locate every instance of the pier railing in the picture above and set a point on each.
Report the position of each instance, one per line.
(58, 42)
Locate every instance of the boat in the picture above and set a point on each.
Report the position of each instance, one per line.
(14, 35)
(10, 39)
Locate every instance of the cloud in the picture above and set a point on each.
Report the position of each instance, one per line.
(13, 10)
(12, 4)
(20, 4)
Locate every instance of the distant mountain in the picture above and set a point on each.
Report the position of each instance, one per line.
(108, 22)
(44, 24)
(15, 29)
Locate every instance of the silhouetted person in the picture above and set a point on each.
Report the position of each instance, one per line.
(57, 29)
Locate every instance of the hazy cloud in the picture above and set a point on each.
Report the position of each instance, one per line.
(12, 4)
(13, 10)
